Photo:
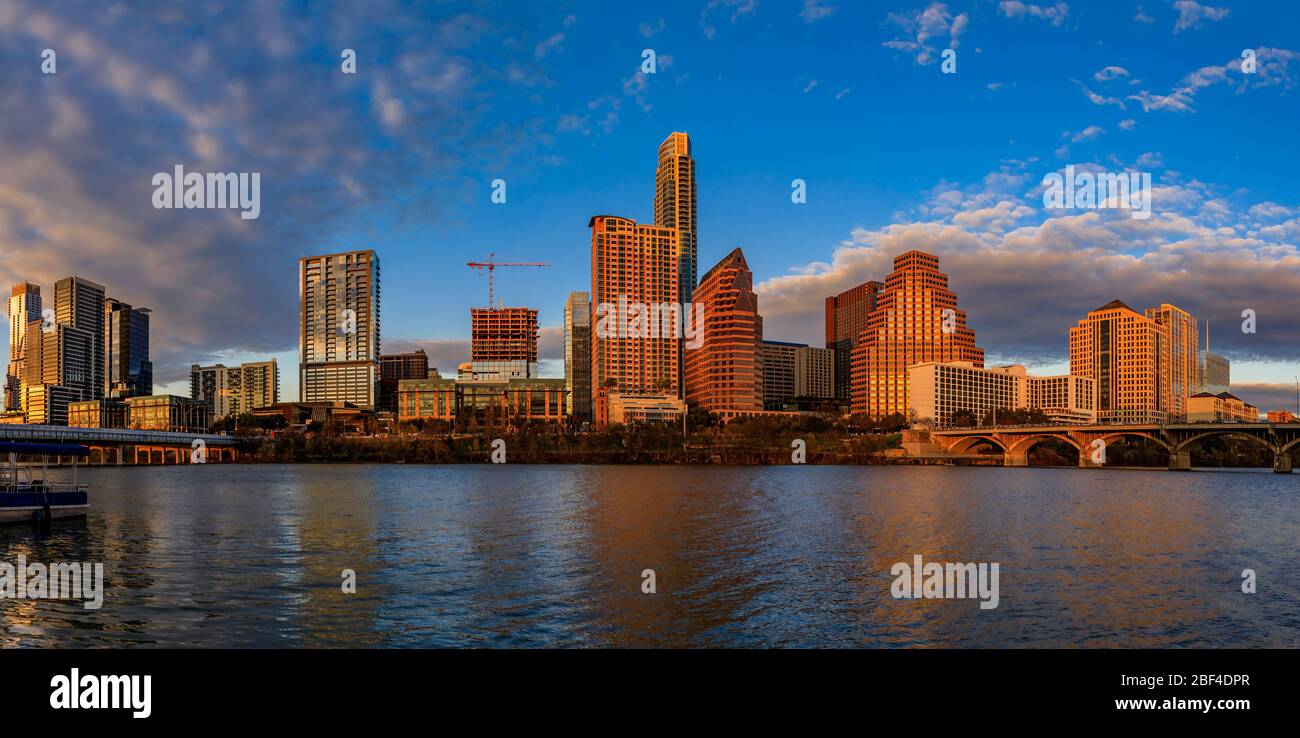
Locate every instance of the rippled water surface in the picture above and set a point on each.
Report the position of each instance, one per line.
(515, 555)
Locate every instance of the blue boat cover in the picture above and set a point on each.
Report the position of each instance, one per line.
(36, 499)
(49, 449)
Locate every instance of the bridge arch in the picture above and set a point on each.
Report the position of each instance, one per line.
(1186, 444)
(1022, 444)
(966, 443)
(1110, 437)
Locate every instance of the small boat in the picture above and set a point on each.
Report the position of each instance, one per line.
(24, 498)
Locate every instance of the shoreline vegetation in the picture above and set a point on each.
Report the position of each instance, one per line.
(749, 441)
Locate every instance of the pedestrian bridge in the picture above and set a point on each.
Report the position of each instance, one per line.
(125, 446)
(1283, 439)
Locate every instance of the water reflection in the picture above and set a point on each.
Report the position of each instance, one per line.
(512, 555)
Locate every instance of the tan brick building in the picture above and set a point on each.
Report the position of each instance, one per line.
(915, 320)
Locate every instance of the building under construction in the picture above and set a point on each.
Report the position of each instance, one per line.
(503, 334)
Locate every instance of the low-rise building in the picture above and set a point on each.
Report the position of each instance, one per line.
(938, 391)
(1205, 407)
(168, 413)
(1281, 416)
(47, 404)
(102, 413)
(297, 415)
(498, 400)
(613, 406)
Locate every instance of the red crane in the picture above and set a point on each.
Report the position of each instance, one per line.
(491, 266)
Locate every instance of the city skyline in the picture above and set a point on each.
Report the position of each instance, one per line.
(1221, 239)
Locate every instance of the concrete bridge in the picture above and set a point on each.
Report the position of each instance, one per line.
(120, 446)
(1177, 439)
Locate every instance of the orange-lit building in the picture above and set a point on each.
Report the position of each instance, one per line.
(1281, 416)
(846, 319)
(1182, 346)
(503, 334)
(1127, 354)
(447, 399)
(633, 265)
(909, 325)
(674, 204)
(724, 372)
(1204, 407)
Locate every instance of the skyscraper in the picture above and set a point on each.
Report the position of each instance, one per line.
(1126, 353)
(846, 318)
(503, 334)
(915, 320)
(1213, 372)
(724, 373)
(237, 389)
(778, 360)
(338, 345)
(674, 204)
(1182, 346)
(577, 353)
(79, 314)
(129, 373)
(24, 307)
(632, 265)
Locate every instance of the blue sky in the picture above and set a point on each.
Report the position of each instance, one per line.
(846, 96)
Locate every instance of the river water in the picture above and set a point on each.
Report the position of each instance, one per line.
(789, 556)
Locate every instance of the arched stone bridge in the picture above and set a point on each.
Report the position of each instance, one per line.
(1283, 439)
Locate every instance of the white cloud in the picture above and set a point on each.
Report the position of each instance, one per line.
(1087, 134)
(1108, 73)
(1024, 275)
(1097, 99)
(1273, 68)
(923, 27)
(552, 44)
(1191, 13)
(815, 10)
(1054, 14)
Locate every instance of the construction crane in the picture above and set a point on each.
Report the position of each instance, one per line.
(490, 265)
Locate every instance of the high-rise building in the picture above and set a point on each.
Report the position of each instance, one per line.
(633, 266)
(235, 390)
(577, 353)
(259, 385)
(846, 319)
(503, 334)
(1213, 372)
(814, 373)
(915, 320)
(24, 307)
(129, 373)
(338, 345)
(1182, 344)
(1127, 354)
(393, 368)
(79, 315)
(674, 204)
(724, 372)
(778, 360)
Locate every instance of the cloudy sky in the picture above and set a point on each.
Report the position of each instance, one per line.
(849, 97)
